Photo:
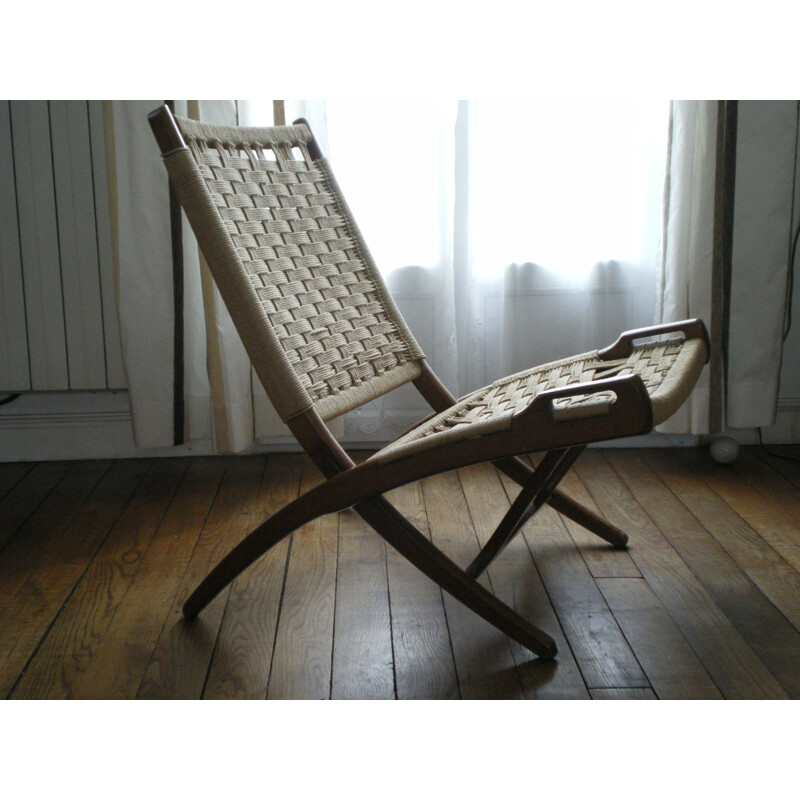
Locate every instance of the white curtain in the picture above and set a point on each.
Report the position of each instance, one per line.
(509, 236)
(189, 378)
(685, 286)
(745, 311)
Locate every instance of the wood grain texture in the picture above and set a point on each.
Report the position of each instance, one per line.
(600, 648)
(516, 581)
(763, 474)
(602, 560)
(768, 632)
(11, 475)
(171, 656)
(32, 545)
(730, 661)
(63, 562)
(776, 522)
(25, 496)
(362, 666)
(301, 663)
(243, 651)
(423, 657)
(83, 623)
(784, 459)
(102, 556)
(623, 694)
(674, 671)
(768, 570)
(483, 658)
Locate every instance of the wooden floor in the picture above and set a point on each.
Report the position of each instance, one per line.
(97, 558)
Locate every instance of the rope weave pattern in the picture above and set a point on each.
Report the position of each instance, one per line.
(480, 412)
(513, 394)
(302, 261)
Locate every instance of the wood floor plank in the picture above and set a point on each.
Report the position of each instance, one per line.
(765, 479)
(761, 625)
(730, 661)
(11, 474)
(99, 565)
(603, 560)
(119, 661)
(423, 657)
(602, 653)
(37, 517)
(172, 656)
(40, 580)
(515, 580)
(78, 542)
(773, 575)
(484, 662)
(34, 539)
(243, 653)
(301, 662)
(362, 649)
(80, 628)
(776, 523)
(784, 459)
(623, 694)
(26, 495)
(671, 666)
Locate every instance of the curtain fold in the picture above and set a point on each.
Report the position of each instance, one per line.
(727, 240)
(508, 237)
(188, 374)
(685, 276)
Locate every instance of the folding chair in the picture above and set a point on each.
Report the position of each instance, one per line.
(325, 337)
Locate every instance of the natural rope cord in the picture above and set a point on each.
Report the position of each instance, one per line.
(668, 369)
(303, 257)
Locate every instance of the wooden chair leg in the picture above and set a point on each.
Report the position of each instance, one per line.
(589, 520)
(535, 493)
(521, 473)
(396, 530)
(312, 504)
(409, 542)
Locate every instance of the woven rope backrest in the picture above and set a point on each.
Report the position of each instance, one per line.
(328, 334)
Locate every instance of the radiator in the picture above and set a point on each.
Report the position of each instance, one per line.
(58, 322)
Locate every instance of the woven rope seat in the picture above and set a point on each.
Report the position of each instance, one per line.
(669, 370)
(325, 337)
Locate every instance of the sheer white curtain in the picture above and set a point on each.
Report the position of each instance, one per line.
(685, 279)
(510, 235)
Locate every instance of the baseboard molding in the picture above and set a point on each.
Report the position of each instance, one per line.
(69, 426)
(89, 425)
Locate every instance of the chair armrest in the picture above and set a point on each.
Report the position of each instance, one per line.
(630, 414)
(623, 347)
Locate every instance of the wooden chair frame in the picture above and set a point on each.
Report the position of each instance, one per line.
(534, 429)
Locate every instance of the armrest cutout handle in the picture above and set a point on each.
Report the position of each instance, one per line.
(632, 401)
(623, 347)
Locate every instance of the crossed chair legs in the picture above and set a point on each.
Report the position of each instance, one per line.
(345, 488)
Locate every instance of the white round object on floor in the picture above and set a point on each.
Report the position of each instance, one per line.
(724, 450)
